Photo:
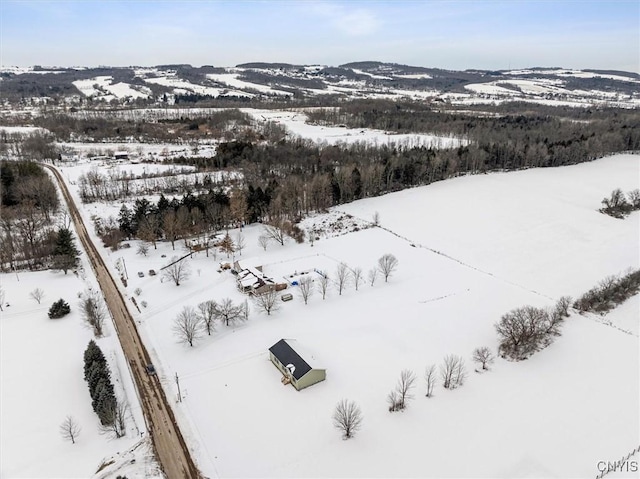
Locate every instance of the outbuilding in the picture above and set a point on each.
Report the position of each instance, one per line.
(295, 366)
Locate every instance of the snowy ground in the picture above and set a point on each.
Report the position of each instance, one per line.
(470, 249)
(140, 151)
(232, 80)
(42, 382)
(296, 124)
(102, 87)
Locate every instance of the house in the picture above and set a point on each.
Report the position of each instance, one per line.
(286, 355)
(251, 279)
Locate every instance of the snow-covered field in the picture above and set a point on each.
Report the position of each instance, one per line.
(541, 91)
(469, 249)
(573, 73)
(232, 80)
(21, 130)
(141, 151)
(41, 365)
(103, 87)
(169, 79)
(296, 123)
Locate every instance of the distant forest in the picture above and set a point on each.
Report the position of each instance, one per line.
(284, 179)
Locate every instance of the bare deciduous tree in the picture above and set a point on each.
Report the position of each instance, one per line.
(228, 312)
(323, 282)
(263, 241)
(274, 232)
(405, 384)
(372, 276)
(452, 372)
(306, 288)
(393, 401)
(69, 429)
(347, 417)
(37, 294)
(356, 275)
(398, 398)
(186, 326)
(240, 242)
(245, 310)
(561, 308)
(342, 277)
(115, 420)
(267, 301)
(430, 378)
(148, 229)
(171, 227)
(177, 271)
(483, 356)
(523, 331)
(143, 249)
(387, 264)
(93, 311)
(207, 315)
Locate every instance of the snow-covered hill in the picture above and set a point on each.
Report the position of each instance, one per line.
(553, 86)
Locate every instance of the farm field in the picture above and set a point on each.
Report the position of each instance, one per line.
(469, 250)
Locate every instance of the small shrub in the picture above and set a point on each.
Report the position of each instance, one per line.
(295, 232)
(59, 309)
(138, 291)
(617, 204)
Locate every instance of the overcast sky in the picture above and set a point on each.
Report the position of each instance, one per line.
(444, 34)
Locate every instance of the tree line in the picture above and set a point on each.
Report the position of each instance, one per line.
(31, 236)
(302, 176)
(609, 293)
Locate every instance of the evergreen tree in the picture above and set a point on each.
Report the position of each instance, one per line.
(125, 221)
(59, 309)
(98, 377)
(227, 245)
(92, 354)
(104, 400)
(163, 204)
(141, 209)
(97, 372)
(65, 253)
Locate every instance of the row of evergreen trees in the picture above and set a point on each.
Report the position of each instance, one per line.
(98, 377)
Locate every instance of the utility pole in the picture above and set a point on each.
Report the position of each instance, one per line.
(178, 383)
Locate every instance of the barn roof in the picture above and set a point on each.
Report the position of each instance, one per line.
(283, 351)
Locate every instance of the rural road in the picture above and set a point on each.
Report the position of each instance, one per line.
(169, 445)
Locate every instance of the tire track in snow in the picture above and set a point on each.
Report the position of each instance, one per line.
(439, 298)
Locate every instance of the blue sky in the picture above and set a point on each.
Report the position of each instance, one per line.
(445, 34)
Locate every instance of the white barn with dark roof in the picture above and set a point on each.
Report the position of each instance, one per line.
(295, 366)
